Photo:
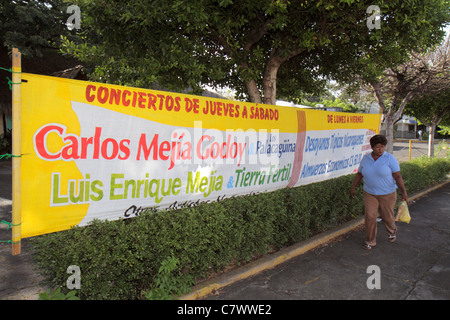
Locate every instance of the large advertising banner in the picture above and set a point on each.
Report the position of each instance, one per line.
(98, 151)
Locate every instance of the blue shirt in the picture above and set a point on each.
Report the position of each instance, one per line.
(378, 179)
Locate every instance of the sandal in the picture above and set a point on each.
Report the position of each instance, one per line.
(392, 238)
(367, 246)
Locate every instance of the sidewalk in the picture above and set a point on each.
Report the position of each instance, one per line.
(18, 280)
(415, 267)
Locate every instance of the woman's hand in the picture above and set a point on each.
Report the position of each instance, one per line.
(404, 196)
(358, 178)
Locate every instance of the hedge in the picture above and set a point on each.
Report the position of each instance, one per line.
(121, 259)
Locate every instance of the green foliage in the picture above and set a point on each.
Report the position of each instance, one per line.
(58, 295)
(170, 281)
(32, 25)
(431, 107)
(336, 103)
(444, 130)
(232, 43)
(421, 172)
(128, 259)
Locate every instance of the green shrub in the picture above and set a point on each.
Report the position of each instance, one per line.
(58, 295)
(422, 172)
(170, 281)
(122, 259)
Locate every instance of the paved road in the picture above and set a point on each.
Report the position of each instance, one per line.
(418, 149)
(18, 280)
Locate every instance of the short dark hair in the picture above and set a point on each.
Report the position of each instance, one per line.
(376, 139)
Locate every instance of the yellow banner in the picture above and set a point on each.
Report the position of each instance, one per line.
(98, 151)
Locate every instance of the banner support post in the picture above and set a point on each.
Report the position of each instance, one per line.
(16, 150)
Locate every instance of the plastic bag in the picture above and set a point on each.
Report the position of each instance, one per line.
(403, 213)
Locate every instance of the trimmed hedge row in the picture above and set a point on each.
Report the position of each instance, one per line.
(119, 259)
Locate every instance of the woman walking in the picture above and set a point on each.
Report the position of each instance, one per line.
(381, 173)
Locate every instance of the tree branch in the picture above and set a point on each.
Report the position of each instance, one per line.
(257, 35)
(270, 74)
(377, 89)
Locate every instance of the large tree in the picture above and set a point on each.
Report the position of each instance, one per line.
(431, 110)
(260, 48)
(397, 86)
(398, 69)
(431, 104)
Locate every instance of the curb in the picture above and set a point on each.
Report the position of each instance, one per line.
(283, 255)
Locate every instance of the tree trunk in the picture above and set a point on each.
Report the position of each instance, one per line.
(392, 115)
(270, 75)
(389, 120)
(270, 81)
(431, 140)
(253, 91)
(435, 120)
